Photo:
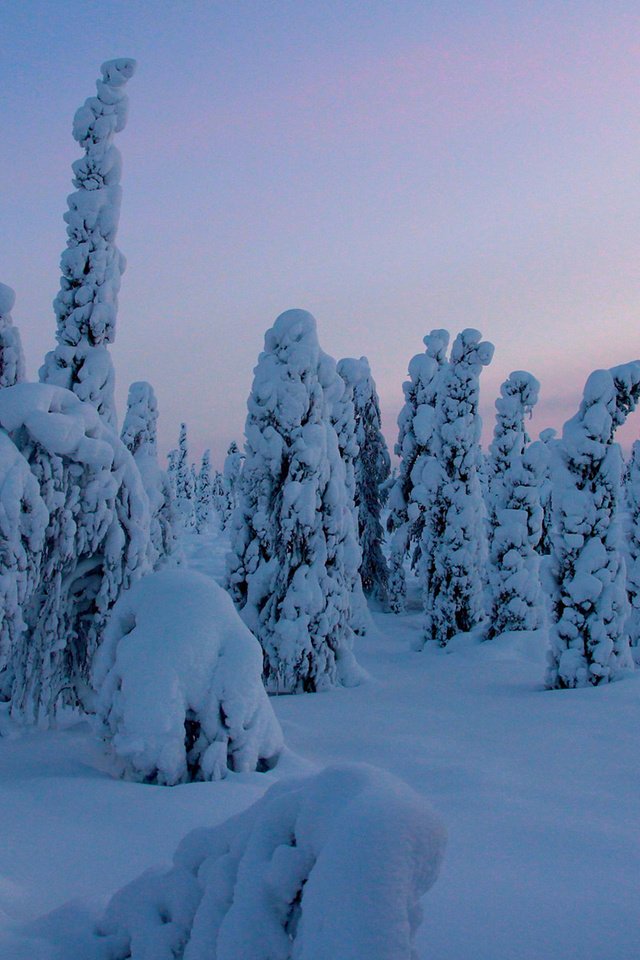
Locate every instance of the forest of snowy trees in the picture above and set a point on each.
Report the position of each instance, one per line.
(100, 617)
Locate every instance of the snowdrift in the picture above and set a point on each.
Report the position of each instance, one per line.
(178, 676)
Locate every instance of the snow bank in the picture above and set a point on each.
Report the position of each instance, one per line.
(180, 694)
(329, 867)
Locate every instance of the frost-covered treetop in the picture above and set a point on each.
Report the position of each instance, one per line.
(609, 396)
(518, 396)
(7, 300)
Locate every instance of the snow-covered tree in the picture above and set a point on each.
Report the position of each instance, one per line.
(181, 477)
(139, 435)
(589, 638)
(633, 555)
(204, 494)
(540, 456)
(23, 523)
(289, 565)
(454, 536)
(416, 439)
(96, 542)
(92, 265)
(515, 513)
(11, 355)
(231, 471)
(371, 468)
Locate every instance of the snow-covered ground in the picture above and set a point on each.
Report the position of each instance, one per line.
(540, 792)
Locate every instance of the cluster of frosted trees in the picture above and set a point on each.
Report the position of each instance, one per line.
(84, 511)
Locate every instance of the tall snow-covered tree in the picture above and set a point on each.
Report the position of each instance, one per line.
(515, 513)
(454, 536)
(589, 638)
(416, 438)
(11, 355)
(372, 468)
(288, 569)
(633, 555)
(96, 542)
(204, 494)
(139, 435)
(181, 477)
(92, 265)
(231, 470)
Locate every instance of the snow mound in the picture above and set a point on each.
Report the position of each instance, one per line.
(180, 695)
(326, 867)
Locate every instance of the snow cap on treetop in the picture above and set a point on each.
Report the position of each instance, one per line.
(7, 299)
(468, 339)
(436, 343)
(525, 384)
(354, 371)
(117, 72)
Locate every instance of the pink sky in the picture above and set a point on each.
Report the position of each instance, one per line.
(390, 167)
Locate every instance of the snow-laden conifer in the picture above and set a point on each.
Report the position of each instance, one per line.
(231, 470)
(633, 555)
(291, 542)
(416, 438)
(515, 513)
(181, 476)
(204, 494)
(11, 355)
(589, 638)
(371, 468)
(139, 435)
(96, 543)
(23, 522)
(454, 537)
(92, 265)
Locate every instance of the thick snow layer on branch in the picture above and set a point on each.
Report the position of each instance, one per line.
(96, 543)
(11, 355)
(92, 265)
(179, 680)
(329, 867)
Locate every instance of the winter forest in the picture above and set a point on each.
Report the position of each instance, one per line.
(322, 700)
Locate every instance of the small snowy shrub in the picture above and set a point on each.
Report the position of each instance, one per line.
(329, 867)
(179, 689)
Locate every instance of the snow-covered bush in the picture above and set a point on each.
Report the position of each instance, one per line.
(329, 867)
(11, 355)
(633, 550)
(23, 522)
(96, 542)
(179, 688)
(139, 435)
(515, 513)
(289, 565)
(92, 265)
(454, 537)
(417, 443)
(589, 639)
(372, 468)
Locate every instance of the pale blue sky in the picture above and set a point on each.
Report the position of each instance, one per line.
(390, 166)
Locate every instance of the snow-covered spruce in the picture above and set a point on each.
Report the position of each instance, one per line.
(139, 435)
(326, 867)
(515, 513)
(231, 470)
(289, 564)
(11, 355)
(339, 395)
(454, 545)
(179, 680)
(372, 468)
(97, 541)
(92, 265)
(181, 478)
(23, 522)
(417, 440)
(204, 494)
(633, 547)
(539, 455)
(589, 639)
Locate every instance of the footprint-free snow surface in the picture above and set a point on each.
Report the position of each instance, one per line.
(539, 791)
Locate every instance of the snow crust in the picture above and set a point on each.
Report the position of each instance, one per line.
(176, 661)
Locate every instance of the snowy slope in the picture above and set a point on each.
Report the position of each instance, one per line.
(540, 792)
